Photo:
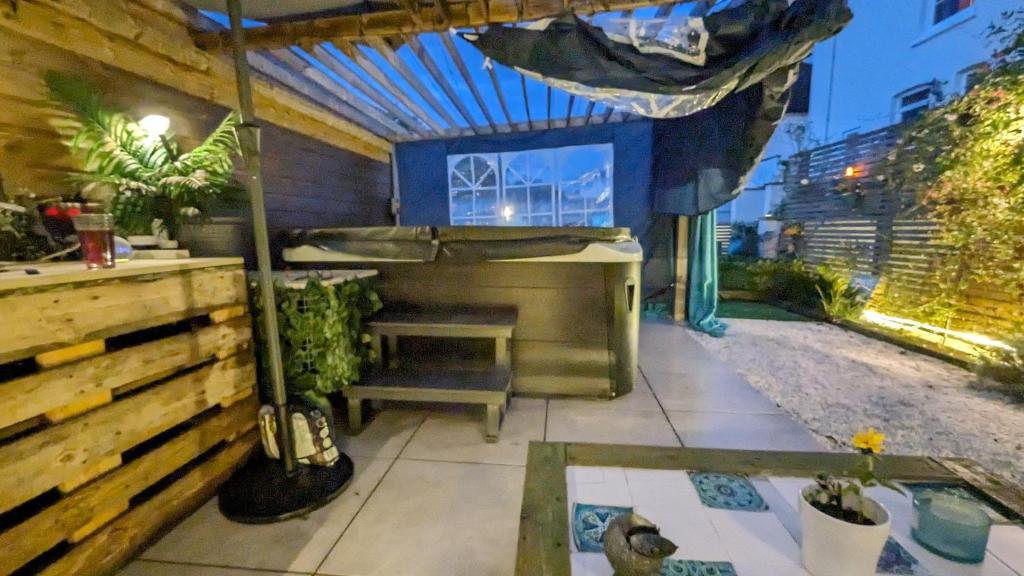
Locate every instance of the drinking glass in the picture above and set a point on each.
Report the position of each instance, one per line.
(96, 235)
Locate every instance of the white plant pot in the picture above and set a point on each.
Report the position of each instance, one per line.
(832, 547)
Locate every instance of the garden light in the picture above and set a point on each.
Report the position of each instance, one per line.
(155, 125)
(921, 328)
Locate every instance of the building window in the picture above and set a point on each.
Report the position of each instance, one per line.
(947, 8)
(971, 76)
(568, 186)
(914, 102)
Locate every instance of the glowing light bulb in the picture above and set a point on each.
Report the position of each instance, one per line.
(850, 172)
(155, 125)
(507, 212)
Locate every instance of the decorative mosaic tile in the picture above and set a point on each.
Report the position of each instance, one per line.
(959, 491)
(673, 567)
(896, 560)
(728, 492)
(589, 521)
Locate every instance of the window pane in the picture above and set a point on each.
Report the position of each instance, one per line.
(542, 198)
(542, 166)
(462, 203)
(517, 168)
(486, 203)
(573, 219)
(599, 219)
(462, 221)
(486, 222)
(542, 221)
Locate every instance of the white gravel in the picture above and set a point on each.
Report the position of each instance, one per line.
(835, 382)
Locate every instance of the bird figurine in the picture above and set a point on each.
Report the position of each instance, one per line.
(635, 547)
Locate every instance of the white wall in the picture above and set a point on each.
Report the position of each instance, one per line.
(891, 46)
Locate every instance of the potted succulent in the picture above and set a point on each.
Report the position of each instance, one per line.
(843, 530)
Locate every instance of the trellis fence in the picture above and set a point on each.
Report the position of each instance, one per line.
(850, 217)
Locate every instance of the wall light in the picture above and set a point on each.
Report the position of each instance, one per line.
(850, 172)
(155, 125)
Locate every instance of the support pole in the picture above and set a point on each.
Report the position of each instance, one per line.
(249, 141)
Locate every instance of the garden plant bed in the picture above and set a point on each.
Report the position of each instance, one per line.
(835, 382)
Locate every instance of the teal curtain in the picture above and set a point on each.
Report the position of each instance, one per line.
(702, 293)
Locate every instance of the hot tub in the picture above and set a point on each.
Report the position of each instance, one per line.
(577, 291)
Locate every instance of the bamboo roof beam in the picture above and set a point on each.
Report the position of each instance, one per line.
(453, 52)
(439, 78)
(568, 110)
(392, 58)
(345, 73)
(444, 10)
(382, 78)
(395, 22)
(501, 96)
(607, 114)
(549, 123)
(289, 69)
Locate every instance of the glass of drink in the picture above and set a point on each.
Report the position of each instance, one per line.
(96, 235)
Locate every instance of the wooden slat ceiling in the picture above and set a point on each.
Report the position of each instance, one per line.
(417, 80)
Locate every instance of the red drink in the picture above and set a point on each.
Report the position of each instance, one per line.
(96, 235)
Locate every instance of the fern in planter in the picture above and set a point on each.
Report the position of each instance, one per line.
(150, 176)
(323, 345)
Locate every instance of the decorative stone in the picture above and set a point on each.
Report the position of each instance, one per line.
(635, 547)
(896, 560)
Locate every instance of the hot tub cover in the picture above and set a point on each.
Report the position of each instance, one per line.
(455, 243)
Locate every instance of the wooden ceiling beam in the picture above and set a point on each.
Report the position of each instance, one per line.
(588, 113)
(348, 75)
(363, 61)
(430, 64)
(392, 58)
(395, 22)
(549, 123)
(607, 114)
(568, 110)
(526, 101)
(453, 53)
(289, 69)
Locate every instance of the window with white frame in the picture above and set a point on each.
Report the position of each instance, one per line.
(567, 186)
(944, 9)
(970, 77)
(914, 102)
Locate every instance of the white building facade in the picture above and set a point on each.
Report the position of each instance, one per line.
(894, 60)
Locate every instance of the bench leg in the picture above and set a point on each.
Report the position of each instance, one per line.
(501, 353)
(355, 414)
(493, 422)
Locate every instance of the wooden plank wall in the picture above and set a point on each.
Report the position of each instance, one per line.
(881, 232)
(308, 182)
(123, 404)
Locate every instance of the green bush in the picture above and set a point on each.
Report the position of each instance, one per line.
(323, 345)
(735, 273)
(841, 299)
(788, 282)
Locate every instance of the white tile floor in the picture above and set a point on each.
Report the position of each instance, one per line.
(432, 498)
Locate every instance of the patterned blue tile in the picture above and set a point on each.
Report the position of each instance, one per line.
(728, 492)
(589, 521)
(959, 491)
(673, 567)
(896, 560)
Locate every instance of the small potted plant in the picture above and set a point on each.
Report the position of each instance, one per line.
(844, 531)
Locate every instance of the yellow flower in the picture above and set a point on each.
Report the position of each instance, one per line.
(869, 440)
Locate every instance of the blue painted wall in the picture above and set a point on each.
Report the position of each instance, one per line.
(423, 169)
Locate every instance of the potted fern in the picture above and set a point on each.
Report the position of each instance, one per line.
(145, 178)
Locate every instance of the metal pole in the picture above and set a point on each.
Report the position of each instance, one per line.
(249, 141)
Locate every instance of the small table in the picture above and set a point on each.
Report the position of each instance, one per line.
(547, 547)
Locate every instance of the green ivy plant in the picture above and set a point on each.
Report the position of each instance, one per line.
(323, 343)
(967, 160)
(150, 177)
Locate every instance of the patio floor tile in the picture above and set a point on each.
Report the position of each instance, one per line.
(435, 518)
(709, 391)
(641, 399)
(385, 435)
(578, 422)
(299, 545)
(459, 436)
(741, 431)
(147, 568)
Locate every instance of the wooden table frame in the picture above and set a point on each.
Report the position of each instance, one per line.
(544, 545)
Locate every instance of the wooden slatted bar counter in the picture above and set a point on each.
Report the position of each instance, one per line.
(126, 397)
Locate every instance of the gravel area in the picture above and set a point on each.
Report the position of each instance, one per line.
(835, 382)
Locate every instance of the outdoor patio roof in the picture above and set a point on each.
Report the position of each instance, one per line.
(397, 70)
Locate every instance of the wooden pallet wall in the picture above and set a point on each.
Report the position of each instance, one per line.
(123, 404)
